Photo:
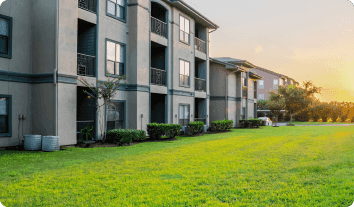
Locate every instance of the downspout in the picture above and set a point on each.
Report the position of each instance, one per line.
(56, 69)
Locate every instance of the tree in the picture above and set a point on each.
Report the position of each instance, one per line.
(262, 105)
(276, 103)
(106, 90)
(298, 99)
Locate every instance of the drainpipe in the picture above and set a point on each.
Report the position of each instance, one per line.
(56, 70)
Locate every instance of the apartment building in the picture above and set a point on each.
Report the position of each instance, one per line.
(233, 91)
(161, 46)
(271, 80)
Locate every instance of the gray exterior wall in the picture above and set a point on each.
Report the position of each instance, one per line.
(33, 52)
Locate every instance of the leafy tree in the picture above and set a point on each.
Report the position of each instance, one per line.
(276, 103)
(106, 90)
(262, 104)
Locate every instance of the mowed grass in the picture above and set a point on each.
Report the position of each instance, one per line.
(317, 123)
(285, 166)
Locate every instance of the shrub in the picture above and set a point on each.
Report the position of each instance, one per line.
(255, 122)
(222, 125)
(329, 120)
(156, 131)
(352, 120)
(320, 120)
(125, 136)
(338, 120)
(348, 120)
(196, 127)
(311, 120)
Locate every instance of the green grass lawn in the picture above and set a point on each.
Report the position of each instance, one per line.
(285, 166)
(317, 123)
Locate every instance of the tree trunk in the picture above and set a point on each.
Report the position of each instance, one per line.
(291, 118)
(105, 119)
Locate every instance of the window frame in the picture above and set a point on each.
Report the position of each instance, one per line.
(189, 114)
(9, 134)
(113, 16)
(124, 111)
(9, 42)
(124, 58)
(259, 85)
(259, 95)
(189, 34)
(189, 79)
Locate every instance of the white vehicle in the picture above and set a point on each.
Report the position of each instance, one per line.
(268, 120)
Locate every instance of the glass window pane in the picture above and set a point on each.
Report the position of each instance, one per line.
(186, 80)
(120, 2)
(3, 124)
(111, 109)
(118, 53)
(181, 35)
(111, 8)
(181, 67)
(115, 1)
(3, 106)
(181, 23)
(186, 112)
(261, 82)
(181, 112)
(4, 27)
(111, 47)
(122, 12)
(110, 67)
(4, 45)
(181, 79)
(186, 68)
(120, 68)
(186, 38)
(186, 26)
(120, 110)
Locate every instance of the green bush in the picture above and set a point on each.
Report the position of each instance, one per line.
(125, 136)
(196, 127)
(221, 125)
(156, 131)
(255, 122)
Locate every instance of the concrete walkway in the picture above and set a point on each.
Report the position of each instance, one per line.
(284, 124)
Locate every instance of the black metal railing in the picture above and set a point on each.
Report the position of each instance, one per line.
(158, 27)
(184, 80)
(158, 77)
(86, 65)
(244, 91)
(89, 5)
(200, 45)
(201, 119)
(200, 84)
(81, 125)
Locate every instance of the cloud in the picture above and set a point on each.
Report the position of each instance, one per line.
(2, 1)
(259, 48)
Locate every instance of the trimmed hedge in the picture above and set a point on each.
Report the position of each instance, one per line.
(156, 131)
(125, 136)
(195, 127)
(254, 122)
(221, 125)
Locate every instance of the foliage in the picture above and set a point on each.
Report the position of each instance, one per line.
(348, 121)
(125, 136)
(276, 103)
(329, 120)
(106, 90)
(320, 120)
(195, 127)
(156, 131)
(221, 125)
(203, 168)
(339, 120)
(262, 104)
(87, 132)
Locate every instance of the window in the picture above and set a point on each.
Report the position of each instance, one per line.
(275, 83)
(243, 115)
(116, 9)
(183, 114)
(5, 116)
(184, 73)
(115, 115)
(261, 84)
(5, 36)
(115, 58)
(184, 29)
(261, 96)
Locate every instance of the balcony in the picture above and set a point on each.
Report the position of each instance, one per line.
(86, 65)
(244, 91)
(158, 27)
(200, 84)
(89, 5)
(158, 77)
(200, 45)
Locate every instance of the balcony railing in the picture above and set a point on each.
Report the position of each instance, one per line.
(200, 45)
(89, 5)
(86, 65)
(82, 125)
(201, 119)
(200, 84)
(158, 77)
(158, 27)
(244, 91)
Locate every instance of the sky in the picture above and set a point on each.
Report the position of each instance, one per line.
(304, 39)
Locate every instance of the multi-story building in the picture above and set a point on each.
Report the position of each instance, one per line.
(233, 90)
(161, 46)
(271, 81)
